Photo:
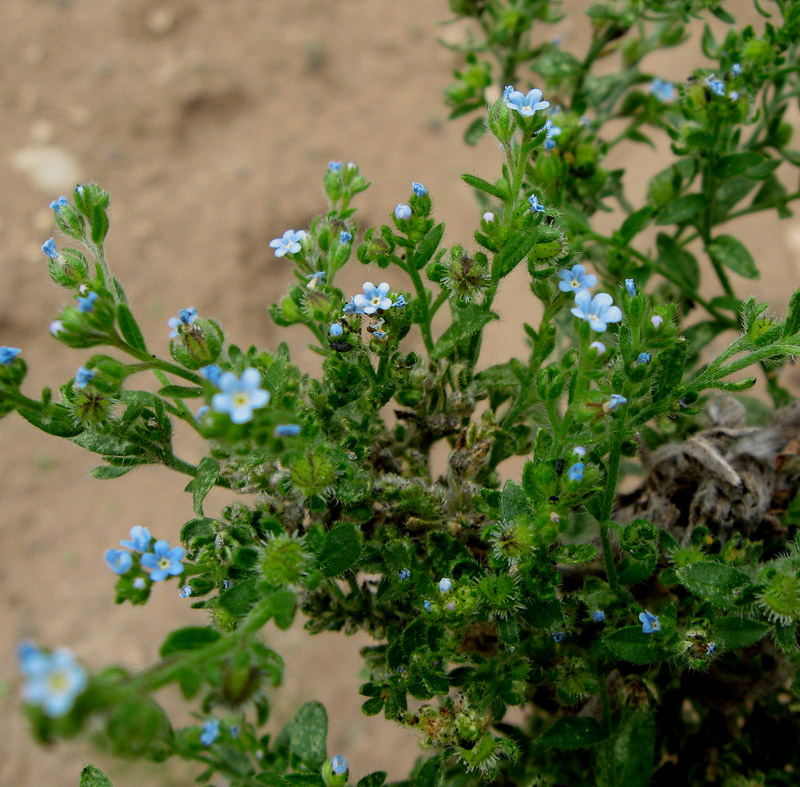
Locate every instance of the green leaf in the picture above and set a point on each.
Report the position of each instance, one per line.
(308, 732)
(207, 476)
(573, 732)
(514, 252)
(94, 777)
(129, 328)
(340, 549)
(633, 750)
(190, 638)
(428, 245)
(792, 324)
(677, 264)
(681, 209)
(732, 253)
(282, 604)
(375, 779)
(430, 774)
(107, 472)
(713, 582)
(57, 421)
(635, 223)
(738, 163)
(99, 220)
(475, 131)
(239, 599)
(734, 632)
(632, 644)
(483, 185)
(414, 637)
(467, 320)
(181, 392)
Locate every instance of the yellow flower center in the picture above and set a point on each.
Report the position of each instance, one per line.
(240, 399)
(575, 284)
(164, 563)
(376, 299)
(58, 681)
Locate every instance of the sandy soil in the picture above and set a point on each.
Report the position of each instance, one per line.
(211, 123)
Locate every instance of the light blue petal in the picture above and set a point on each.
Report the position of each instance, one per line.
(221, 402)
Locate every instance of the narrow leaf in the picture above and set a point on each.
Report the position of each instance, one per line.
(129, 328)
(732, 253)
(207, 476)
(573, 732)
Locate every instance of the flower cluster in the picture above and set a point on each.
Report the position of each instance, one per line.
(161, 562)
(54, 680)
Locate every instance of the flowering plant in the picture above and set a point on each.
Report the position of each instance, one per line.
(599, 615)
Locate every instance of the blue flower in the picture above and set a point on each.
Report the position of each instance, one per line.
(335, 330)
(599, 346)
(402, 211)
(86, 304)
(8, 354)
(374, 298)
(351, 308)
(119, 561)
(507, 91)
(559, 636)
(61, 202)
(404, 573)
(163, 562)
(710, 648)
(185, 591)
(663, 91)
(334, 166)
(345, 237)
(400, 302)
(643, 358)
(734, 95)
(526, 105)
(650, 622)
(314, 277)
(379, 334)
(536, 207)
(615, 401)
(83, 376)
(56, 327)
(552, 131)
(656, 321)
(716, 86)
(598, 616)
(445, 585)
(736, 69)
(575, 473)
(139, 583)
(427, 605)
(287, 430)
(339, 765)
(576, 279)
(54, 680)
(49, 248)
(488, 217)
(579, 451)
(240, 395)
(419, 189)
(201, 412)
(210, 732)
(289, 243)
(140, 539)
(597, 311)
(630, 286)
(185, 317)
(212, 373)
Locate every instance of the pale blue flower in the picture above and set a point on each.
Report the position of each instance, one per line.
(8, 354)
(212, 373)
(630, 287)
(56, 327)
(575, 473)
(656, 320)
(552, 132)
(240, 396)
(61, 202)
(536, 206)
(615, 401)
(289, 243)
(339, 765)
(507, 91)
(579, 451)
(54, 680)
(351, 308)
(419, 189)
(597, 311)
(119, 561)
(185, 317)
(139, 583)
(287, 430)
(559, 636)
(379, 334)
(734, 95)
(445, 585)
(650, 622)
(599, 346)
(400, 302)
(374, 298)
(163, 562)
(402, 211)
(86, 304)
(335, 330)
(334, 166)
(488, 217)
(186, 591)
(49, 248)
(202, 412)
(643, 358)
(345, 237)
(526, 105)
(576, 279)
(716, 86)
(598, 616)
(710, 648)
(663, 91)
(404, 573)
(317, 275)
(427, 605)
(736, 69)
(83, 377)
(210, 732)
(140, 539)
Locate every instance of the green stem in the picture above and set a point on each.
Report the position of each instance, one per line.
(422, 299)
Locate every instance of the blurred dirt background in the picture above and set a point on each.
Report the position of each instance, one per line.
(211, 122)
